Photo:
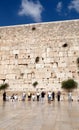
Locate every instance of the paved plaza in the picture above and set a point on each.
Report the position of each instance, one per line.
(35, 115)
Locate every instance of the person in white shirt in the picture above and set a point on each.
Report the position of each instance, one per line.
(38, 96)
(49, 96)
(69, 96)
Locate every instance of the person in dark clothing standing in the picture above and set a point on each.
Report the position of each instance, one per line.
(58, 95)
(4, 96)
(42, 95)
(53, 95)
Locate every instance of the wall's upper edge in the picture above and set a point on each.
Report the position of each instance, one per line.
(40, 23)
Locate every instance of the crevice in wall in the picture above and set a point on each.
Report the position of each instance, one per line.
(65, 45)
(33, 28)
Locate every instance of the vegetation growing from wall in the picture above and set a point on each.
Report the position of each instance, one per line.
(69, 84)
(4, 86)
(35, 84)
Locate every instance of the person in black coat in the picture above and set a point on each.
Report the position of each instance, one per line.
(53, 95)
(4, 96)
(58, 96)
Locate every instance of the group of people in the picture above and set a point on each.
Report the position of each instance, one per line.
(33, 96)
(37, 96)
(51, 96)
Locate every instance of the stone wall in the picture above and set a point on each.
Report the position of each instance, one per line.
(45, 53)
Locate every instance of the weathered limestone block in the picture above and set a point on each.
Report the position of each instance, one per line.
(76, 48)
(32, 60)
(55, 65)
(44, 54)
(22, 62)
(22, 56)
(10, 67)
(13, 62)
(39, 66)
(29, 76)
(10, 76)
(5, 62)
(25, 77)
(1, 81)
(15, 51)
(61, 54)
(5, 48)
(70, 54)
(62, 65)
(53, 54)
(2, 76)
(5, 57)
(47, 60)
(39, 75)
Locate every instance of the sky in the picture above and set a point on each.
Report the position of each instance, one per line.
(17, 12)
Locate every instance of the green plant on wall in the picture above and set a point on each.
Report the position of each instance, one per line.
(4, 86)
(69, 84)
(35, 84)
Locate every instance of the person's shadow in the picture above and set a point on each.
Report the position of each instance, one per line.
(4, 104)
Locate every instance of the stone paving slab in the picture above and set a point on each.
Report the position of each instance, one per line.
(31, 115)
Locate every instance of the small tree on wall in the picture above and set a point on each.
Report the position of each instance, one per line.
(69, 84)
(35, 84)
(4, 86)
